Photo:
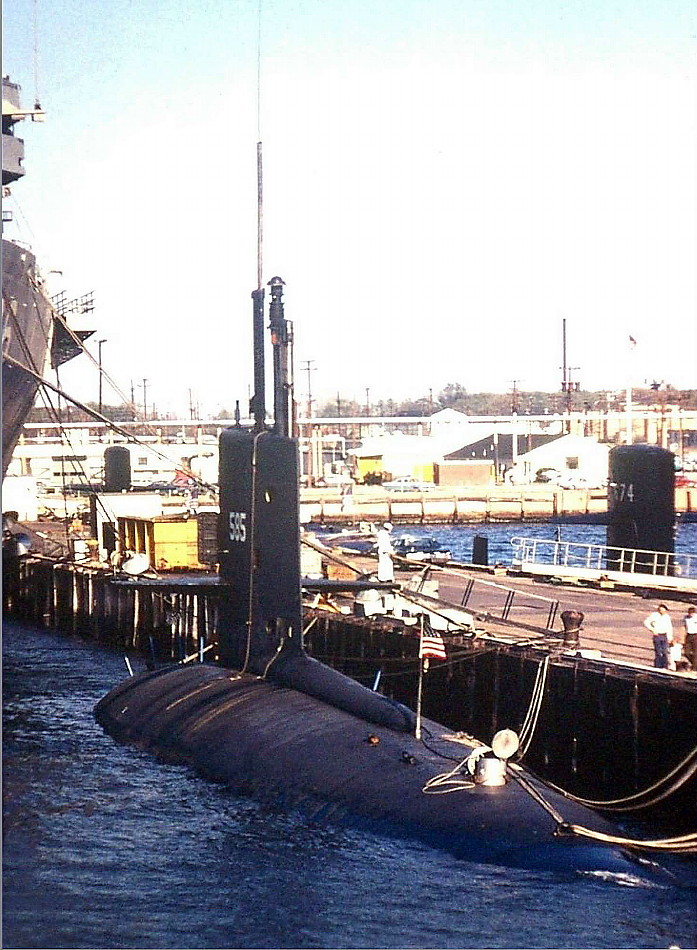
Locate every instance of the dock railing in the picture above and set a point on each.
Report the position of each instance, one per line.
(573, 556)
(508, 604)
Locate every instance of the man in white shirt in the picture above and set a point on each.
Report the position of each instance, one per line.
(690, 626)
(660, 625)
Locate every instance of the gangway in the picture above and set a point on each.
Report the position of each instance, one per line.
(598, 562)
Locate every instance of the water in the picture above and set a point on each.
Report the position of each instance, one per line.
(105, 847)
(458, 539)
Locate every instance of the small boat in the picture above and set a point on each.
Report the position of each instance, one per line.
(410, 547)
(421, 550)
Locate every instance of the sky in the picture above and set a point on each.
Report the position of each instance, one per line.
(445, 183)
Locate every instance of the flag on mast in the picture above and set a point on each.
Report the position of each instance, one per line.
(430, 643)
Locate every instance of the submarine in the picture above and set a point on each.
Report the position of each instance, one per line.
(271, 722)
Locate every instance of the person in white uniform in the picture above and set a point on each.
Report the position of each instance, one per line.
(385, 552)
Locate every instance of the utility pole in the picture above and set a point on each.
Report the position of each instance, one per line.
(309, 369)
(145, 400)
(367, 401)
(568, 386)
(311, 465)
(629, 438)
(514, 427)
(514, 396)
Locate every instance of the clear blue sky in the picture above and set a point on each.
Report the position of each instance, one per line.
(445, 182)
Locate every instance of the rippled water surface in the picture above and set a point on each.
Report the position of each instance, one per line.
(105, 847)
(459, 539)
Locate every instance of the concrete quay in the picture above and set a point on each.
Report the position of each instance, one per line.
(613, 622)
(465, 505)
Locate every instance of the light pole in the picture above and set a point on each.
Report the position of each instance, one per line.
(145, 400)
(312, 463)
(629, 438)
(101, 375)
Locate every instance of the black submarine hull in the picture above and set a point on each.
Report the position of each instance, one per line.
(296, 751)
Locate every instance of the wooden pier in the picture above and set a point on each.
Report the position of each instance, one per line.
(163, 619)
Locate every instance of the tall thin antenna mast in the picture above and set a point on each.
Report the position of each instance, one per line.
(260, 218)
(37, 102)
(259, 398)
(260, 174)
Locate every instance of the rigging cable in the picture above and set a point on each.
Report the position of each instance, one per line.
(663, 787)
(99, 417)
(448, 781)
(683, 844)
(527, 730)
(633, 802)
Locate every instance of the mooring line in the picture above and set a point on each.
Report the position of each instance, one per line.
(623, 804)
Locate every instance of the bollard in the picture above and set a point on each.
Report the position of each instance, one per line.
(480, 550)
(572, 621)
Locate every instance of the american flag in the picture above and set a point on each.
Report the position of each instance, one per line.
(431, 644)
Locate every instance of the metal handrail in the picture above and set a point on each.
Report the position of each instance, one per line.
(474, 586)
(603, 557)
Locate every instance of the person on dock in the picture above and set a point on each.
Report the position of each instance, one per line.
(689, 624)
(385, 552)
(675, 650)
(347, 497)
(661, 626)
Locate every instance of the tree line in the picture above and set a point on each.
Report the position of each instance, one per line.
(453, 396)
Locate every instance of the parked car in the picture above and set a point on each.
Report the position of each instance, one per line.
(406, 483)
(340, 480)
(163, 488)
(84, 488)
(573, 480)
(548, 475)
(570, 480)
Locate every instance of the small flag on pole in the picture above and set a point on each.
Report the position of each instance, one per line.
(431, 644)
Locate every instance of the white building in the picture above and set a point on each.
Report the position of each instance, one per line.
(579, 461)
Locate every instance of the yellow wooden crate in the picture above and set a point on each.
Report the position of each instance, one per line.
(168, 542)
